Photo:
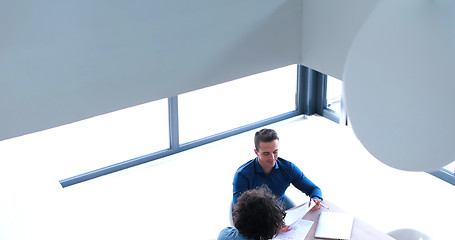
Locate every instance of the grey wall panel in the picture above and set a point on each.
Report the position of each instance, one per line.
(328, 29)
(64, 61)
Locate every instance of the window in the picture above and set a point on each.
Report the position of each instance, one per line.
(237, 103)
(333, 95)
(450, 167)
(446, 173)
(129, 137)
(110, 138)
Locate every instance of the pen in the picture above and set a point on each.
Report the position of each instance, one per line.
(321, 204)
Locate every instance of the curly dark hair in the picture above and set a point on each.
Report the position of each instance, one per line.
(257, 214)
(265, 135)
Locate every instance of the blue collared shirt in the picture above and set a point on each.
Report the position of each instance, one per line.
(231, 233)
(251, 175)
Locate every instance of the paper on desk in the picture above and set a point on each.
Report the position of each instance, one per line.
(299, 227)
(294, 214)
(299, 230)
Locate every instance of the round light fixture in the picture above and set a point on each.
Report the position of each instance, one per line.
(399, 84)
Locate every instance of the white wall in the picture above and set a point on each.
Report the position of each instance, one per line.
(61, 62)
(328, 29)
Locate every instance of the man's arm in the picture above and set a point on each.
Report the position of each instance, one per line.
(301, 182)
(240, 185)
(308, 187)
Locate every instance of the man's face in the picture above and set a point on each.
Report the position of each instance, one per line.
(267, 154)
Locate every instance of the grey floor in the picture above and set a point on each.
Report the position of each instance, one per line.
(187, 195)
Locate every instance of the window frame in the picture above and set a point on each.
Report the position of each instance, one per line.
(174, 143)
(444, 175)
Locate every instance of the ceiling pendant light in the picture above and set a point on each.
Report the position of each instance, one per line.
(399, 83)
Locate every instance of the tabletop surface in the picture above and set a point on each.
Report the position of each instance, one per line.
(360, 229)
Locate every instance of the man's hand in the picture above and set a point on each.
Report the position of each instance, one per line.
(317, 206)
(285, 228)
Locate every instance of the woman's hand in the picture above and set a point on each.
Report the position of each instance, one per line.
(285, 228)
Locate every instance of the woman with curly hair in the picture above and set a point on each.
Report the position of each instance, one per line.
(257, 215)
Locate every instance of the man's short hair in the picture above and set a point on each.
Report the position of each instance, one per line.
(258, 215)
(265, 135)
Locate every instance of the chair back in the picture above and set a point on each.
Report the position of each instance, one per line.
(408, 234)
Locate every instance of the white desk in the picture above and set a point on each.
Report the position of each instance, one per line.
(360, 229)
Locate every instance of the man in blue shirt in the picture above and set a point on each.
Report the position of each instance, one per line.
(267, 168)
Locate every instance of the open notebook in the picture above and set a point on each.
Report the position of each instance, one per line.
(334, 225)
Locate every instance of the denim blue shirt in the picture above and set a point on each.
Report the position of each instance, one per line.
(251, 175)
(231, 233)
